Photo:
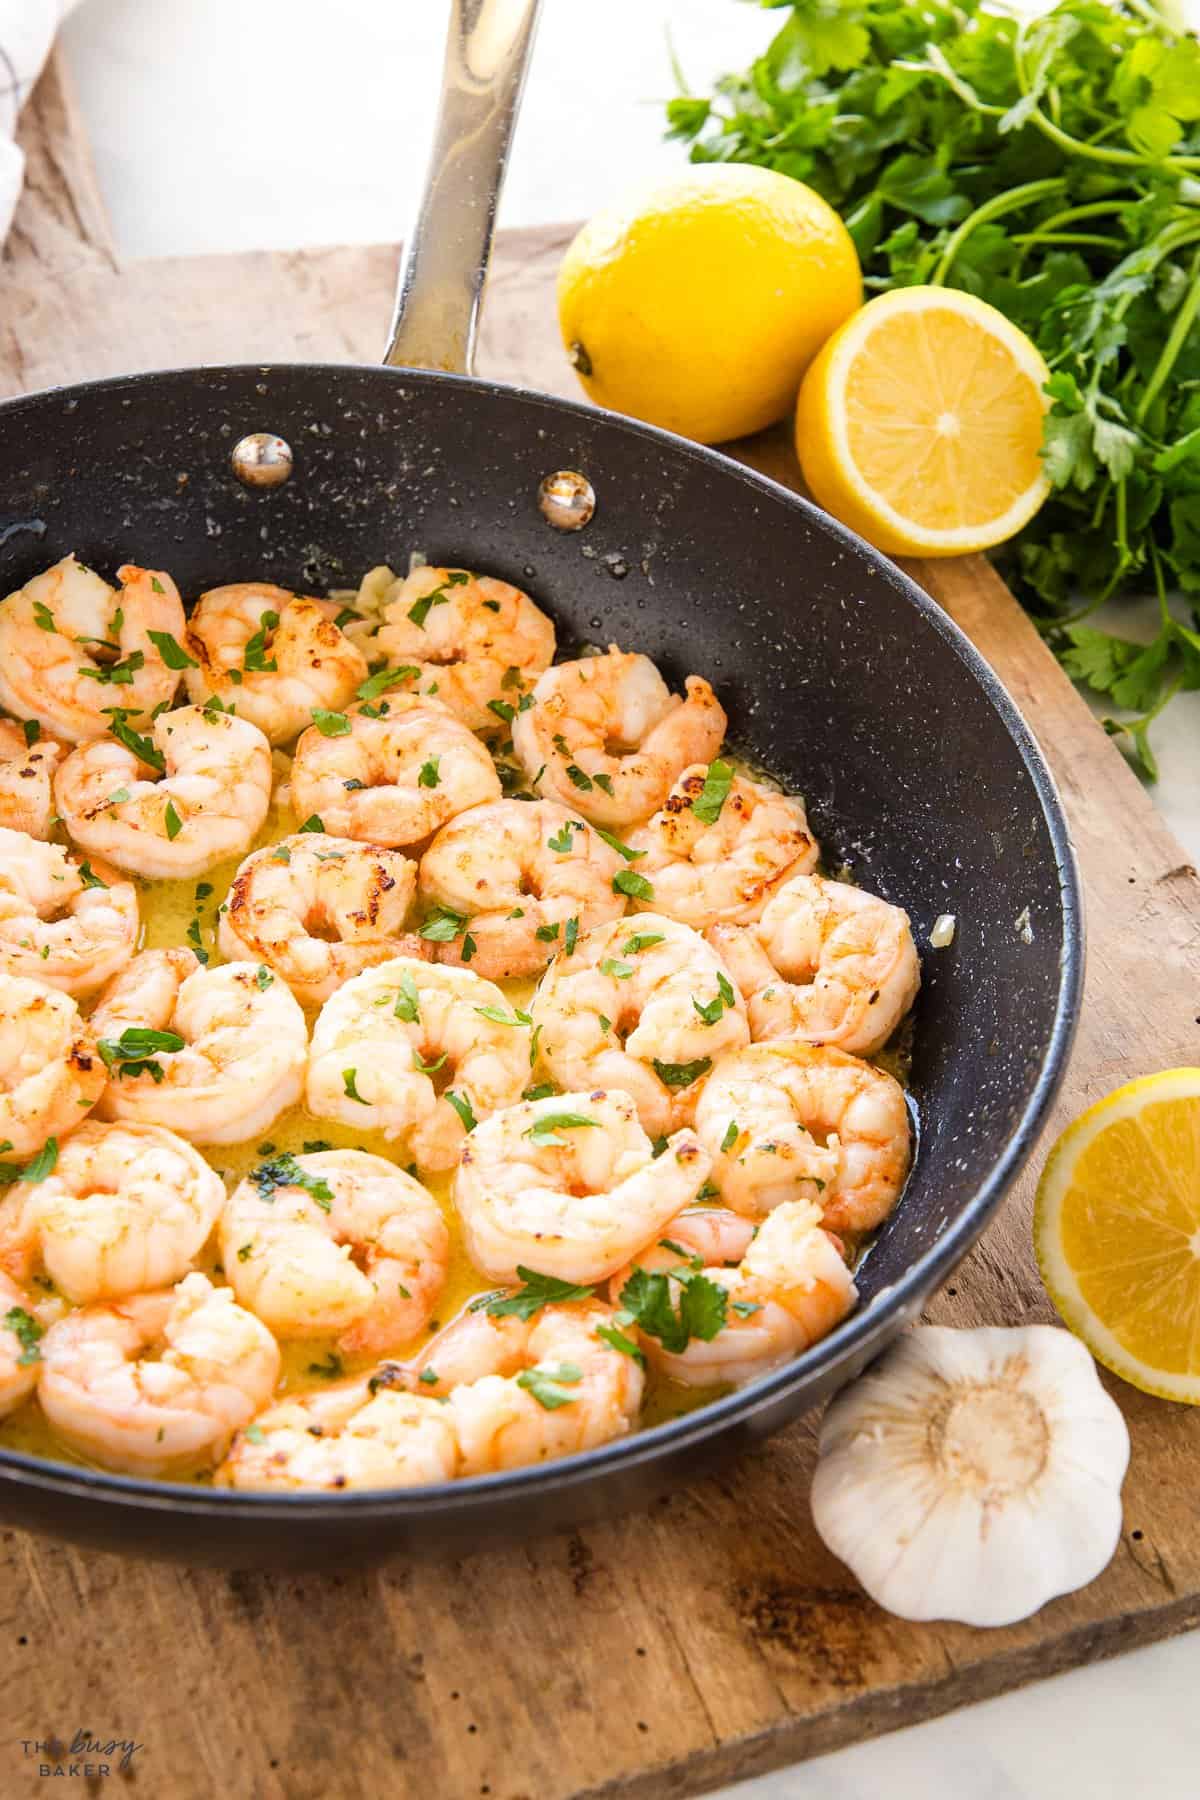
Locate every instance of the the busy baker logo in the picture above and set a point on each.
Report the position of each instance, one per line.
(88, 1755)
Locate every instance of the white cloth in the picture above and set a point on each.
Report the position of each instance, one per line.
(27, 29)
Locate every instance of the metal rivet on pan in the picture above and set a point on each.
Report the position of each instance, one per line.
(567, 500)
(262, 460)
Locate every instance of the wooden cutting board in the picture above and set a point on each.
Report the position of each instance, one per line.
(716, 1637)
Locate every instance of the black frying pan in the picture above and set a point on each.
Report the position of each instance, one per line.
(839, 673)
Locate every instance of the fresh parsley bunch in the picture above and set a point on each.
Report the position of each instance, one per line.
(1051, 166)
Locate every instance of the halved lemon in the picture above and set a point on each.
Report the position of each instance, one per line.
(1117, 1232)
(920, 423)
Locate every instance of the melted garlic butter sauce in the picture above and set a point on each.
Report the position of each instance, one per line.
(183, 913)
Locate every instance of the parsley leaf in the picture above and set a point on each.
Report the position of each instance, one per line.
(171, 650)
(284, 1171)
(545, 1130)
(538, 1291)
(331, 724)
(712, 796)
(551, 1388)
(133, 1053)
(28, 1332)
(682, 1075)
(628, 881)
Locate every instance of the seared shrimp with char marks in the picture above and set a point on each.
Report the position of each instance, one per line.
(826, 962)
(349, 1434)
(64, 921)
(319, 909)
(786, 1285)
(214, 1054)
(196, 792)
(606, 736)
(27, 765)
(399, 768)
(271, 654)
(72, 648)
(721, 845)
(157, 1383)
(50, 1073)
(570, 1186)
(419, 1053)
(643, 1004)
(790, 1121)
(336, 1242)
(126, 1208)
(523, 879)
(475, 641)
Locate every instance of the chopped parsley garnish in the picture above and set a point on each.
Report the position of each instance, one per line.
(499, 1017)
(604, 782)
(469, 947)
(143, 747)
(171, 650)
(330, 1369)
(538, 1291)
(620, 971)
(419, 611)
(313, 823)
(43, 616)
(281, 853)
(541, 1090)
(570, 936)
(133, 1053)
(330, 724)
(429, 777)
(408, 1001)
(462, 1107)
(616, 1340)
(255, 661)
(628, 881)
(28, 1331)
(682, 1075)
(551, 1388)
(428, 1068)
(730, 1138)
(33, 732)
(546, 934)
(89, 877)
(442, 926)
(284, 1171)
(646, 1301)
(172, 820)
(712, 1009)
(614, 843)
(118, 674)
(350, 1088)
(263, 978)
(37, 1168)
(642, 940)
(383, 679)
(712, 796)
(562, 840)
(544, 1131)
(196, 941)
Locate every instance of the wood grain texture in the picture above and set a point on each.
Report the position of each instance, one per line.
(715, 1637)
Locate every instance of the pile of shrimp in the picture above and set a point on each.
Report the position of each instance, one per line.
(518, 1060)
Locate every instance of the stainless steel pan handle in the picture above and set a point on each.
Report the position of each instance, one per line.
(444, 266)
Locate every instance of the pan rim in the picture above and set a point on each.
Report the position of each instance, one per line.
(864, 1334)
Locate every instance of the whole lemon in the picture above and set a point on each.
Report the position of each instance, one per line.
(699, 302)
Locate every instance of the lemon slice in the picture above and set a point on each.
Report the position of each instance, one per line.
(919, 425)
(1117, 1232)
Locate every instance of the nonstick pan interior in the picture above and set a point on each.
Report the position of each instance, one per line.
(838, 675)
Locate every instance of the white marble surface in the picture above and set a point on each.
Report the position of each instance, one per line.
(319, 136)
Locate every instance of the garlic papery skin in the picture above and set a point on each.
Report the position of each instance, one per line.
(973, 1475)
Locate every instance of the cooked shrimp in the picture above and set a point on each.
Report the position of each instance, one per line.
(271, 654)
(198, 793)
(20, 1355)
(570, 1186)
(476, 642)
(788, 1287)
(318, 909)
(336, 1242)
(64, 921)
(642, 1004)
(525, 878)
(418, 1053)
(403, 768)
(827, 963)
(214, 1054)
(554, 1387)
(157, 1383)
(50, 1074)
(71, 647)
(789, 1121)
(26, 773)
(126, 1208)
(726, 863)
(348, 1435)
(606, 736)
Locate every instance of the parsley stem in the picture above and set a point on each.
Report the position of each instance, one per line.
(1079, 146)
(1014, 200)
(1070, 215)
(1184, 319)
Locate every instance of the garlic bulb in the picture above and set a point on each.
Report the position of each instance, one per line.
(973, 1475)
